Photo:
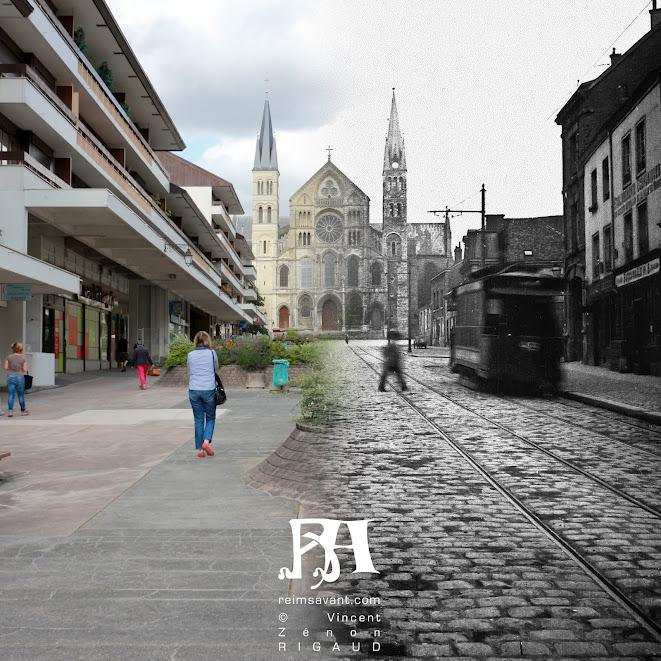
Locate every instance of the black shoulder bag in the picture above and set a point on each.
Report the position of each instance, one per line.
(221, 396)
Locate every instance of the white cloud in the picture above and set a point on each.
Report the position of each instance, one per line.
(477, 88)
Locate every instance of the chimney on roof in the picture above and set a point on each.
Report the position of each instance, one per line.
(655, 16)
(457, 254)
(615, 56)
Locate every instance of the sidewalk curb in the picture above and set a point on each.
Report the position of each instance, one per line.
(612, 405)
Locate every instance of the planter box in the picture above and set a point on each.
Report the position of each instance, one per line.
(233, 376)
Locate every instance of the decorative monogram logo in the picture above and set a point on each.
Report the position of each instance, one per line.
(327, 539)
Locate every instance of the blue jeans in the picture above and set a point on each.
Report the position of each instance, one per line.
(203, 403)
(16, 385)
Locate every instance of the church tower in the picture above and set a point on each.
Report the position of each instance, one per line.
(394, 175)
(265, 213)
(395, 244)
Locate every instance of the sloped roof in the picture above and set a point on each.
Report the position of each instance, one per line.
(266, 155)
(394, 150)
(185, 173)
(330, 165)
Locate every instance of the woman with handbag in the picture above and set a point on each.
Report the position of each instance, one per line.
(16, 366)
(202, 378)
(142, 361)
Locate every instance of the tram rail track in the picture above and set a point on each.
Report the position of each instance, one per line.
(647, 427)
(619, 492)
(635, 609)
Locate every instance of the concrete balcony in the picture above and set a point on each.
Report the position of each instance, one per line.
(43, 34)
(250, 272)
(220, 215)
(250, 294)
(231, 278)
(150, 247)
(32, 106)
(255, 314)
(232, 255)
(17, 267)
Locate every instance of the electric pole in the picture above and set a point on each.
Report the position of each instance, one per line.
(447, 211)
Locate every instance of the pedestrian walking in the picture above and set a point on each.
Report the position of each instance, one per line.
(202, 364)
(346, 338)
(122, 353)
(16, 366)
(391, 362)
(142, 361)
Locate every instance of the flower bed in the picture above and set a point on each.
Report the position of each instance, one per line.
(252, 353)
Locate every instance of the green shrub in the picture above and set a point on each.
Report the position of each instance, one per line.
(105, 73)
(79, 39)
(254, 353)
(318, 397)
(179, 350)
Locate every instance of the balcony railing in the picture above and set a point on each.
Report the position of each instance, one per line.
(106, 101)
(91, 146)
(103, 95)
(27, 73)
(19, 157)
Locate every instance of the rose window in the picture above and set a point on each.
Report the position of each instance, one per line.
(329, 228)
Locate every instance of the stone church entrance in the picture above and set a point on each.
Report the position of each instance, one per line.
(376, 317)
(283, 317)
(330, 316)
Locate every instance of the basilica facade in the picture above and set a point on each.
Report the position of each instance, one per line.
(331, 269)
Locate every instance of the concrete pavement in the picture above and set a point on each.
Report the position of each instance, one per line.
(117, 542)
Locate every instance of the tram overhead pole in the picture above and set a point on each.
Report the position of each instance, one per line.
(483, 213)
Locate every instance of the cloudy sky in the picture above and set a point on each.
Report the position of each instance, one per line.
(478, 86)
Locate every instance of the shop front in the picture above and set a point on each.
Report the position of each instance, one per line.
(179, 324)
(601, 323)
(81, 333)
(638, 287)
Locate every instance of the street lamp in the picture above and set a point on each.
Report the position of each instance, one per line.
(188, 254)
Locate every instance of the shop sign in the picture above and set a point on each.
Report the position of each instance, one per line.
(638, 273)
(638, 190)
(16, 292)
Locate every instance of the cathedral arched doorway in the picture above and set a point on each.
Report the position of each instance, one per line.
(354, 311)
(283, 317)
(376, 317)
(330, 315)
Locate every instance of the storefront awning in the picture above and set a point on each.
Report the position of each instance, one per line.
(19, 268)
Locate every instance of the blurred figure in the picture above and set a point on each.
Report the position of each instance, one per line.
(392, 362)
(346, 338)
(142, 361)
(16, 366)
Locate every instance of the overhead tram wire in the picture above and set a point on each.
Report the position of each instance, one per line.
(596, 62)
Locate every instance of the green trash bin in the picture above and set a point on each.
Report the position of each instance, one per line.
(280, 372)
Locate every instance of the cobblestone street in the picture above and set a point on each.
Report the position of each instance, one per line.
(502, 527)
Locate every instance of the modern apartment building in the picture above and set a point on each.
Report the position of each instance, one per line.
(97, 240)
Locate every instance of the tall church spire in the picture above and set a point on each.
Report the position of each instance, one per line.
(266, 156)
(394, 152)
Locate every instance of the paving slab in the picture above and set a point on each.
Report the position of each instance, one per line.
(174, 556)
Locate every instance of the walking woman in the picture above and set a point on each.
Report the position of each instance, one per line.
(202, 366)
(16, 366)
(142, 361)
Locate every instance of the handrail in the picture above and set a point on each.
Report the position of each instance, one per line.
(86, 64)
(28, 73)
(144, 199)
(20, 158)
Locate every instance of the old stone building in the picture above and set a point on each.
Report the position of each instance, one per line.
(330, 269)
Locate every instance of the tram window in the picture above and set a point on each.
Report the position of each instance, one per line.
(493, 319)
(530, 317)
